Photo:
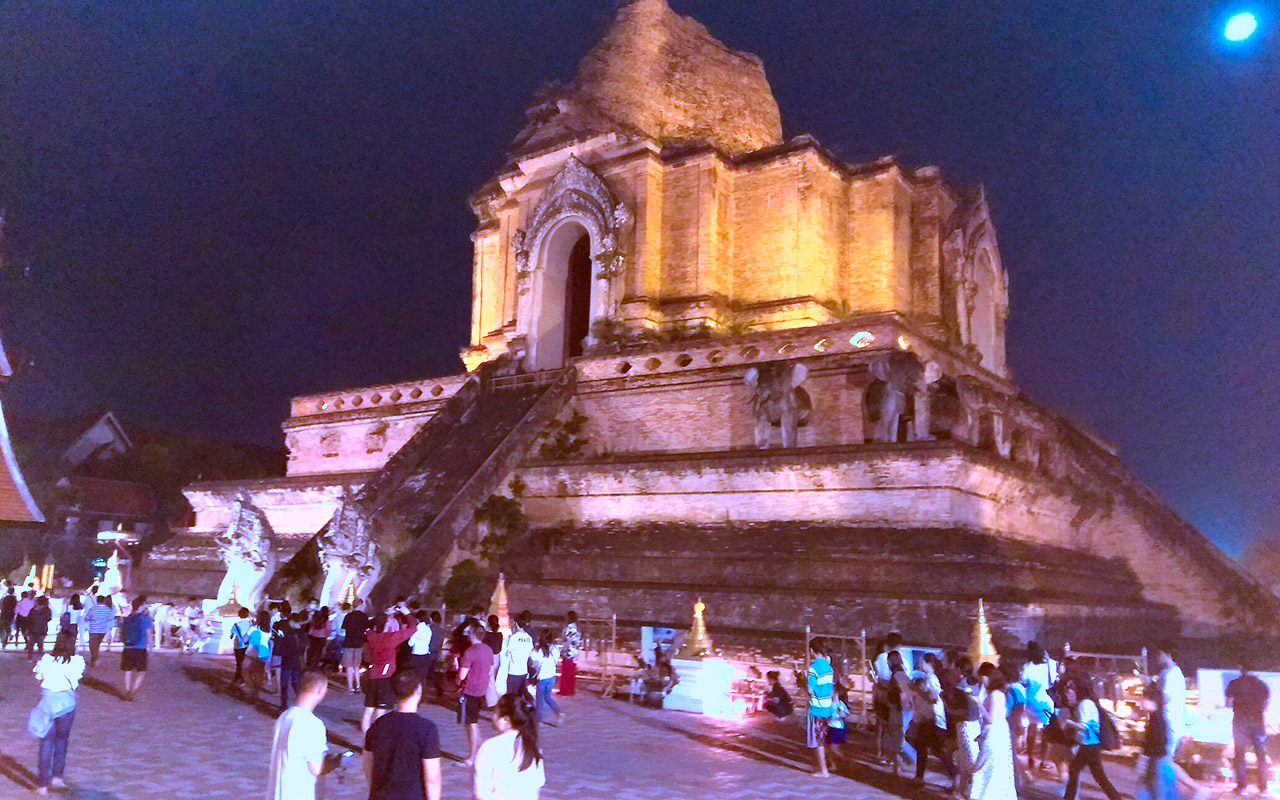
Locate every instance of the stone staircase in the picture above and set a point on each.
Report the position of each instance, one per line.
(432, 486)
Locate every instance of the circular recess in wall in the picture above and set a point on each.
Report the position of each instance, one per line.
(356, 401)
(377, 398)
(750, 352)
(715, 356)
(904, 343)
(862, 339)
(437, 390)
(684, 360)
(822, 345)
(322, 405)
(416, 393)
(653, 363)
(339, 403)
(624, 367)
(786, 348)
(395, 396)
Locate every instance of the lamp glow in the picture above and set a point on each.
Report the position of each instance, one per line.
(1240, 27)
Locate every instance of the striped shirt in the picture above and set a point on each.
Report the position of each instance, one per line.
(100, 619)
(822, 684)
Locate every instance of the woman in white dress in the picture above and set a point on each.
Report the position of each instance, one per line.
(993, 778)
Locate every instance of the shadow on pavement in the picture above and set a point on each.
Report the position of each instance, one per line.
(98, 684)
(15, 771)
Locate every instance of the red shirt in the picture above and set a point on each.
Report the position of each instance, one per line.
(478, 661)
(382, 649)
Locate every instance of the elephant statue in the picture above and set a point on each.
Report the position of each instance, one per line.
(902, 375)
(777, 400)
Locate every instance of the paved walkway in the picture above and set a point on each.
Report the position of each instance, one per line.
(188, 738)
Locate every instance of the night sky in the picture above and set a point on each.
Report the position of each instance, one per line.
(216, 205)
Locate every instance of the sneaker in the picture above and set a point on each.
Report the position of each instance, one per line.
(58, 783)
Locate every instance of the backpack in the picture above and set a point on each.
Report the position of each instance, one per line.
(131, 629)
(1108, 736)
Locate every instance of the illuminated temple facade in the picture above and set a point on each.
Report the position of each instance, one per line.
(719, 363)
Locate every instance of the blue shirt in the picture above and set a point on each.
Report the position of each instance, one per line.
(133, 633)
(822, 685)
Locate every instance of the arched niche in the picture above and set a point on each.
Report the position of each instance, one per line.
(985, 317)
(569, 266)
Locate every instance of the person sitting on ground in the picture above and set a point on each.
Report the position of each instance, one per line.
(777, 702)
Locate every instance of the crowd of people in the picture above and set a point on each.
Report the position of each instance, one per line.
(996, 728)
(992, 728)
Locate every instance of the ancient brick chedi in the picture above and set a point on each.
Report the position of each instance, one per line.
(706, 361)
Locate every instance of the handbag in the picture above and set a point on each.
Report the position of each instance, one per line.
(491, 695)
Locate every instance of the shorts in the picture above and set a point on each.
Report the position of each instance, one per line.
(351, 656)
(816, 732)
(469, 709)
(133, 659)
(377, 693)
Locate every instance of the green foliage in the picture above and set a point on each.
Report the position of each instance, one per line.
(465, 586)
(563, 438)
(505, 521)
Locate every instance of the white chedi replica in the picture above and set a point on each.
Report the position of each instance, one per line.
(249, 551)
(348, 555)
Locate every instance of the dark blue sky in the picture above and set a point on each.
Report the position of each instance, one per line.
(223, 204)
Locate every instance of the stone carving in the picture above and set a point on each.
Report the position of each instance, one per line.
(901, 375)
(778, 400)
(348, 553)
(248, 550)
(923, 417)
(576, 193)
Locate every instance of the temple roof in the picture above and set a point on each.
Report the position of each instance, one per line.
(663, 76)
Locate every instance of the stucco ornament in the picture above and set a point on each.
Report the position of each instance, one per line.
(776, 399)
(248, 550)
(576, 193)
(348, 554)
(901, 375)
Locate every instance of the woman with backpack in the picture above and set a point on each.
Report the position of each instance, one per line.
(1085, 723)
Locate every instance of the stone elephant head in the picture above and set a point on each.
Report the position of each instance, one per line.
(900, 375)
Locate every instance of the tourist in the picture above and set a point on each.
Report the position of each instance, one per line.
(354, 626)
(100, 619)
(777, 700)
(433, 654)
(1016, 695)
(318, 632)
(1247, 696)
(8, 609)
(258, 654)
(898, 699)
(493, 634)
(474, 670)
(300, 745)
(513, 669)
(509, 766)
(240, 631)
(133, 657)
(59, 673)
(1085, 724)
(420, 648)
(929, 724)
(544, 661)
(21, 611)
(1173, 688)
(893, 644)
(382, 641)
(570, 649)
(964, 716)
(1157, 779)
(1039, 674)
(821, 683)
(38, 627)
(71, 616)
(993, 777)
(289, 646)
(402, 749)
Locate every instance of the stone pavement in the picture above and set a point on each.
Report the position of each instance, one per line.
(187, 738)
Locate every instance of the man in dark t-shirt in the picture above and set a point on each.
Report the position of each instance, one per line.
(402, 749)
(354, 626)
(1248, 696)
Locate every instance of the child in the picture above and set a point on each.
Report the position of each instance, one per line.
(777, 702)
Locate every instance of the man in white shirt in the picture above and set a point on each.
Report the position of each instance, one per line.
(514, 664)
(893, 644)
(300, 747)
(420, 648)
